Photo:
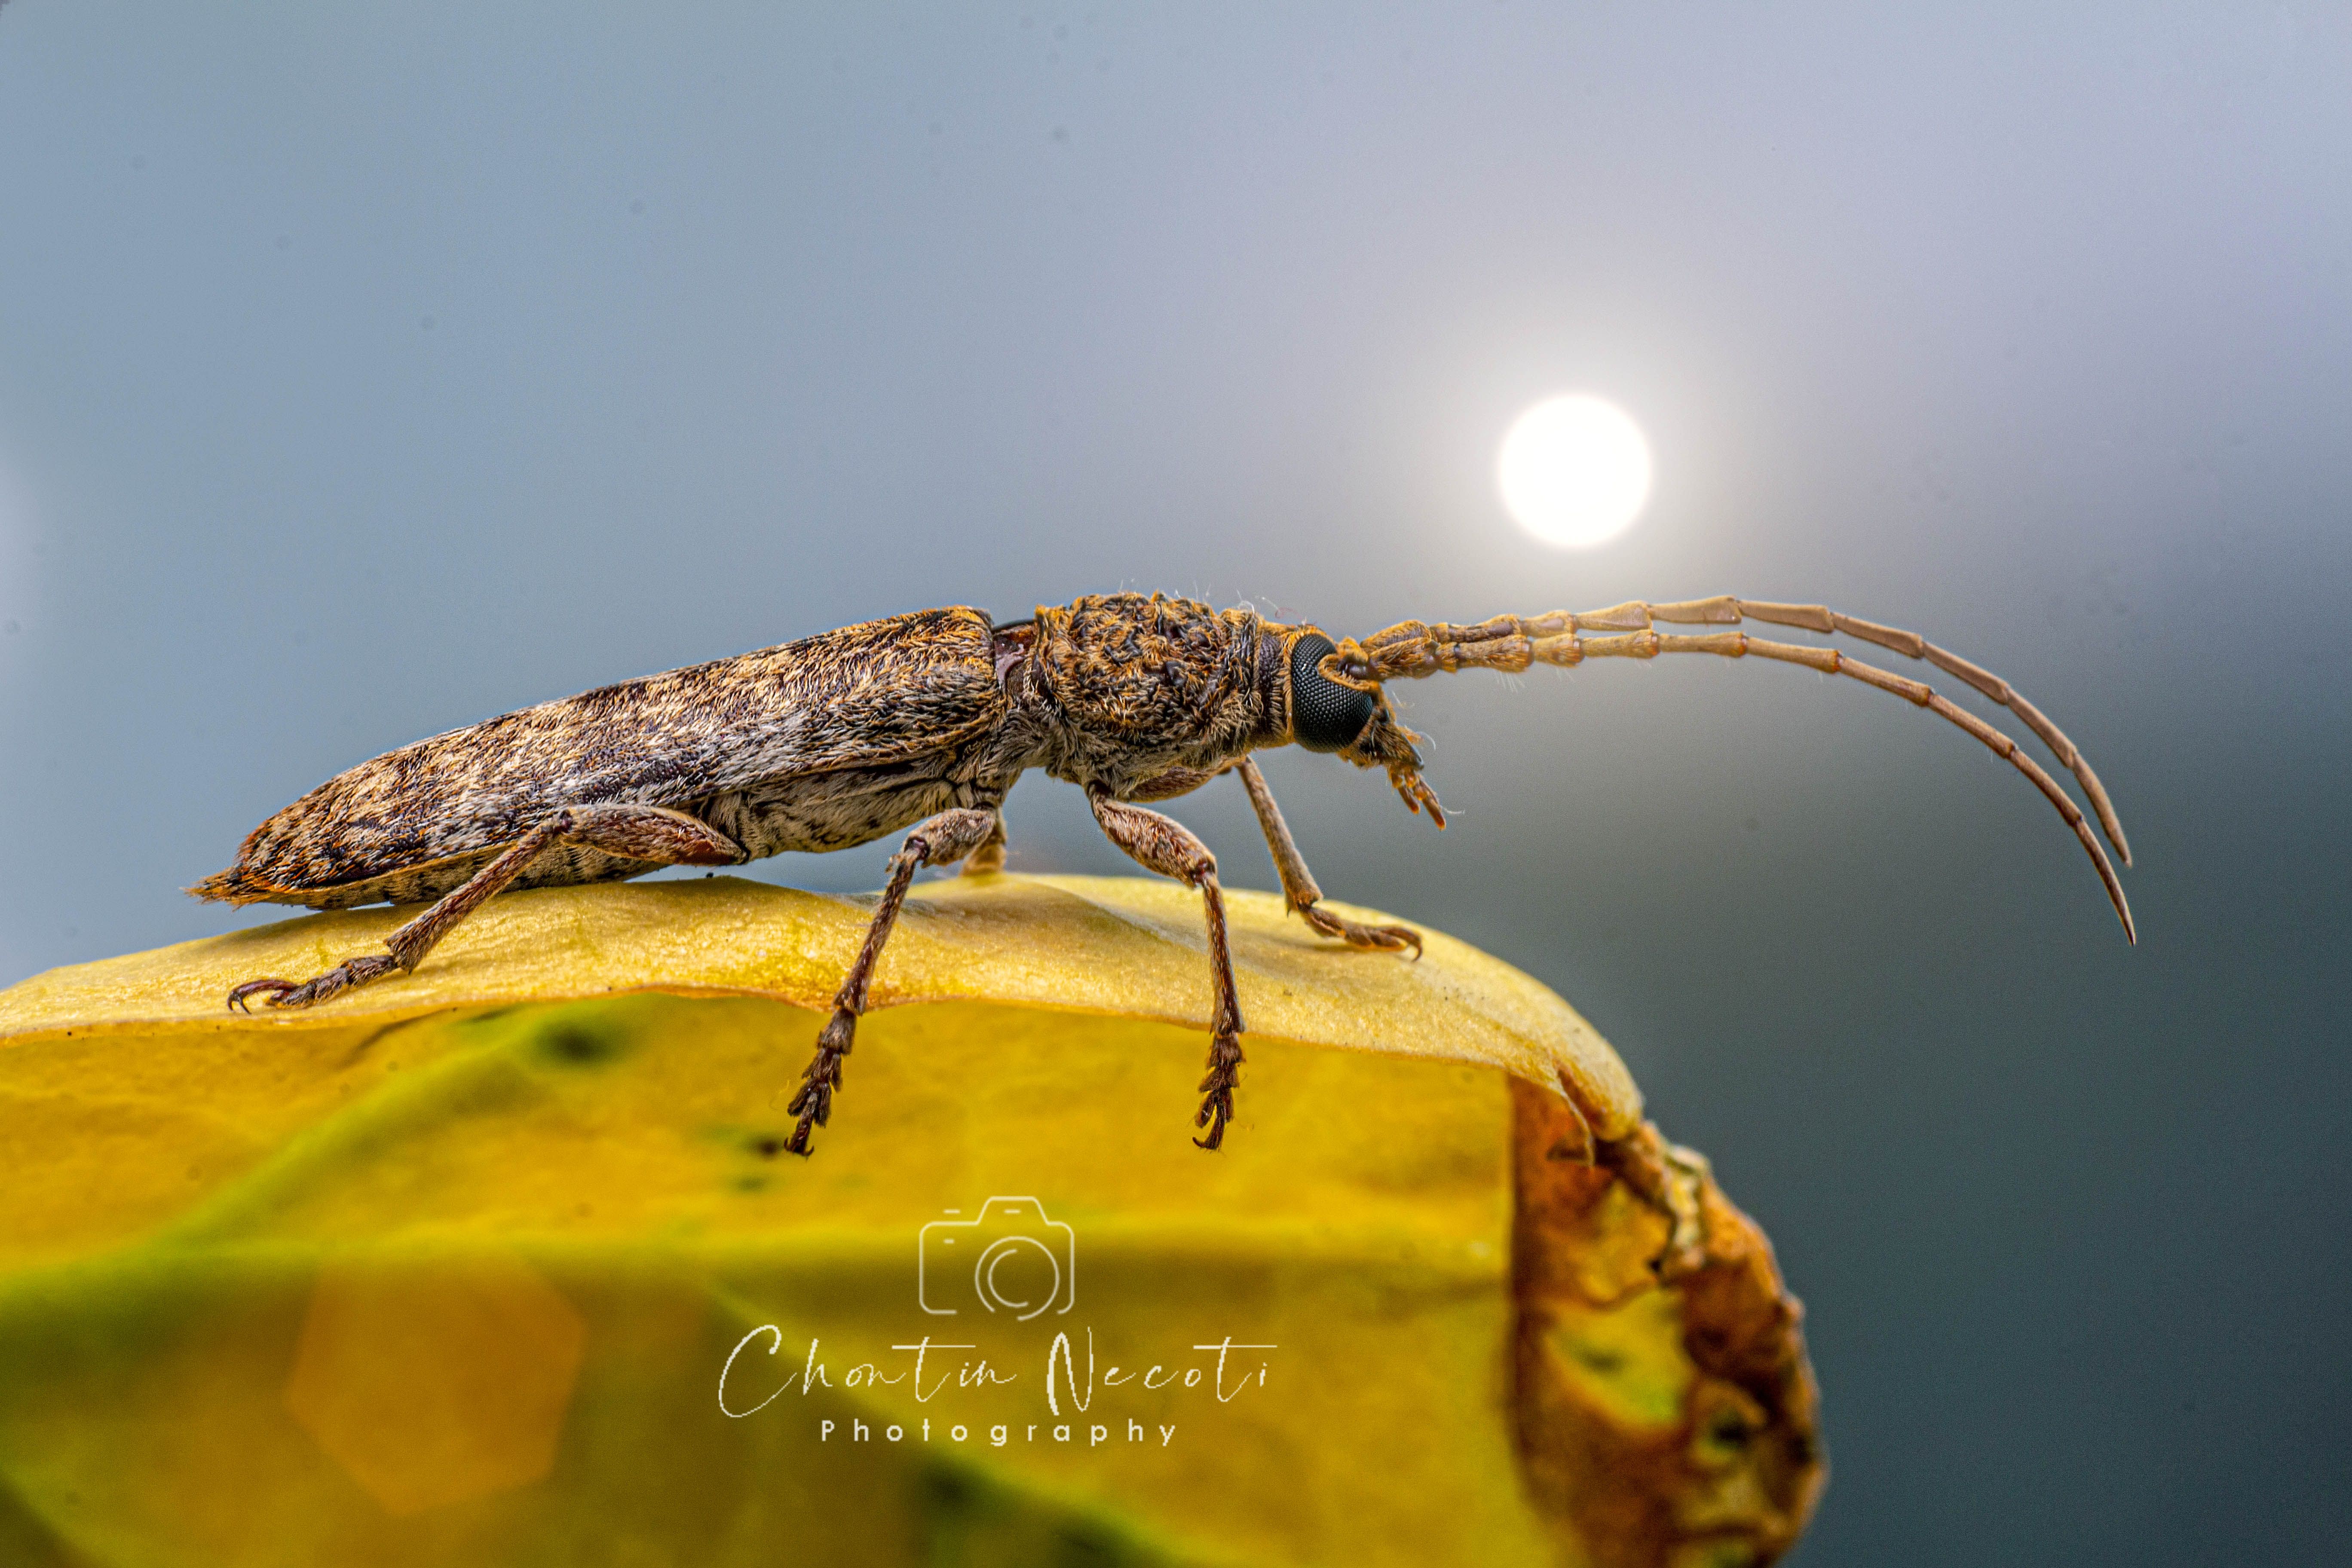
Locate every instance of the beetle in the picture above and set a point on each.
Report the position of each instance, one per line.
(927, 719)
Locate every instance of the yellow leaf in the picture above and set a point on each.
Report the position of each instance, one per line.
(452, 1270)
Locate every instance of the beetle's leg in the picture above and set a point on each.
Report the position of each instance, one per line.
(632, 832)
(1171, 784)
(1298, 888)
(990, 855)
(941, 841)
(1164, 845)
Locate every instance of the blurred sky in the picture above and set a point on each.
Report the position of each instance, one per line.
(369, 371)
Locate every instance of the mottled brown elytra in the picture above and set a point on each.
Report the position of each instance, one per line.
(929, 719)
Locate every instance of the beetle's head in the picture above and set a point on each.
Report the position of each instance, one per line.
(1336, 705)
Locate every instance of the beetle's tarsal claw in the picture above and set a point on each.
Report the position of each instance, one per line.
(1217, 1089)
(1383, 938)
(814, 1101)
(798, 1144)
(813, 1104)
(237, 1002)
(344, 976)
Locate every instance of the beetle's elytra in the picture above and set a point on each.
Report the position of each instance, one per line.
(927, 719)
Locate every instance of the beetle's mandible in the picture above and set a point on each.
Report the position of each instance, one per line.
(927, 719)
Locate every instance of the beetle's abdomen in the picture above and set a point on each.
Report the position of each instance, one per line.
(874, 695)
(836, 810)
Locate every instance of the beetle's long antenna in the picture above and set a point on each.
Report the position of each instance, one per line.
(1412, 649)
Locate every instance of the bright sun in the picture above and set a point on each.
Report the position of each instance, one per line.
(1574, 470)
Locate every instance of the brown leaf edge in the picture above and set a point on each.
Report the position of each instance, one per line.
(1731, 1476)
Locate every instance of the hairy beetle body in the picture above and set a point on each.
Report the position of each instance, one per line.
(925, 720)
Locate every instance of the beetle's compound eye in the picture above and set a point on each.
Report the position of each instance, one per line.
(1324, 715)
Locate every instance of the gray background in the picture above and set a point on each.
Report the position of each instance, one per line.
(365, 371)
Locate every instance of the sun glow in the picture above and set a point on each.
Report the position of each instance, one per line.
(1574, 470)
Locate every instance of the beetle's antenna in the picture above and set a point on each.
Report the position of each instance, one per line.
(1412, 649)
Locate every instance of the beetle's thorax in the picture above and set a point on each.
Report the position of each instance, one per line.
(1120, 688)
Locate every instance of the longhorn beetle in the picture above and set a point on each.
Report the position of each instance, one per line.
(927, 719)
